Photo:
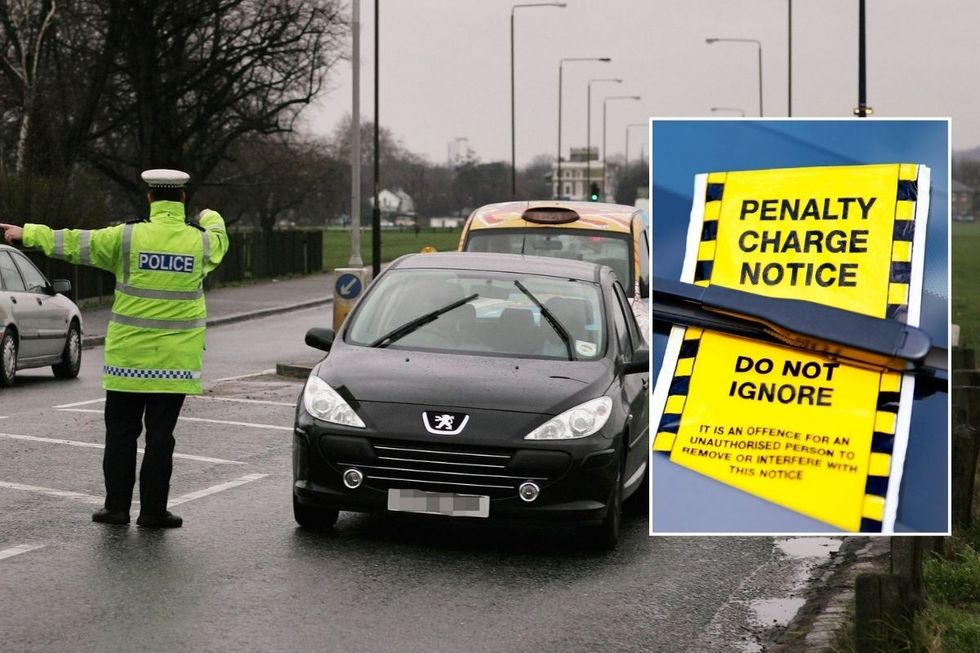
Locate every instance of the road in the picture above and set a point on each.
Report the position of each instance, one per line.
(240, 576)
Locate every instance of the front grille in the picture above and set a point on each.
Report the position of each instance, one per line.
(441, 468)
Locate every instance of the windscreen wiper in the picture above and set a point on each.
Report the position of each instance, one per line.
(826, 330)
(552, 320)
(407, 328)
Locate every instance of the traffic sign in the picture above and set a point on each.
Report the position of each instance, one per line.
(348, 286)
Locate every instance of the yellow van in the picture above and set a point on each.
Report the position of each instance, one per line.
(607, 234)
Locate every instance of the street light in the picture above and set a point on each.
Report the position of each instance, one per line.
(588, 129)
(759, 45)
(561, 63)
(635, 124)
(513, 138)
(789, 58)
(605, 170)
(740, 110)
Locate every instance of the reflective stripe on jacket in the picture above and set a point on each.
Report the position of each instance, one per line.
(155, 339)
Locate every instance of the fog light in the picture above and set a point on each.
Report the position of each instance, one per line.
(528, 491)
(353, 478)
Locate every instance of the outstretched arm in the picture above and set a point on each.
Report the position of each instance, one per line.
(97, 247)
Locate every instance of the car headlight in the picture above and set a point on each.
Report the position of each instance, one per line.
(579, 422)
(324, 403)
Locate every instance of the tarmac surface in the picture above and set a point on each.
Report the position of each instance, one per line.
(240, 576)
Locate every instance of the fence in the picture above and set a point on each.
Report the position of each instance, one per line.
(251, 255)
(886, 604)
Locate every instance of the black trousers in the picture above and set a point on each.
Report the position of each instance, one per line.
(125, 414)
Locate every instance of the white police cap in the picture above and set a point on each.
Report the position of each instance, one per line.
(163, 178)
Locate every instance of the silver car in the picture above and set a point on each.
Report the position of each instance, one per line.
(38, 325)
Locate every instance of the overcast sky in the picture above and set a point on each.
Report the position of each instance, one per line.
(445, 67)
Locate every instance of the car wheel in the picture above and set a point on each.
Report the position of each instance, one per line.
(314, 519)
(71, 357)
(605, 536)
(8, 358)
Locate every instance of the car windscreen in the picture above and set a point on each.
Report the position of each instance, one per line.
(598, 247)
(495, 314)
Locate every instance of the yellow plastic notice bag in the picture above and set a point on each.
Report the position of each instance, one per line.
(803, 431)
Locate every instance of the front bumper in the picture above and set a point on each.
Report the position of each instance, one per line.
(575, 477)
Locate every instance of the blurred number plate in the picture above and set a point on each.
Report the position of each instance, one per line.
(439, 503)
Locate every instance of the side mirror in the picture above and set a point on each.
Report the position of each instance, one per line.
(62, 286)
(640, 364)
(320, 338)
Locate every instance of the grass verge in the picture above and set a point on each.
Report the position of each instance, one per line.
(950, 622)
(336, 244)
(965, 297)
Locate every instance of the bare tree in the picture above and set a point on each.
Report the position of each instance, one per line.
(26, 25)
(195, 76)
(269, 178)
(131, 84)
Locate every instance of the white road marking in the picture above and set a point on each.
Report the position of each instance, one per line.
(82, 403)
(96, 445)
(17, 550)
(88, 498)
(225, 421)
(196, 419)
(244, 376)
(215, 489)
(250, 424)
(244, 401)
(64, 494)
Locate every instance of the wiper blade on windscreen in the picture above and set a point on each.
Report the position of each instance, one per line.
(552, 320)
(826, 330)
(407, 328)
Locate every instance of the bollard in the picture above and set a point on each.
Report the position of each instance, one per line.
(882, 619)
(906, 563)
(965, 449)
(347, 290)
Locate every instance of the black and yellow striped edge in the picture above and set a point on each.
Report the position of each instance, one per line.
(663, 440)
(890, 384)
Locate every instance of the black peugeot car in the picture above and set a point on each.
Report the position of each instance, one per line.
(478, 385)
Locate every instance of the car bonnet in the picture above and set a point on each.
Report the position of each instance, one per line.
(548, 387)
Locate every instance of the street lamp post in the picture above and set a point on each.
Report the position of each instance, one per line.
(355, 260)
(513, 137)
(759, 45)
(561, 63)
(635, 124)
(740, 110)
(605, 170)
(588, 129)
(376, 211)
(862, 110)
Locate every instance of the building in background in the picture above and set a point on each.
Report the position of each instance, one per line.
(458, 152)
(963, 203)
(582, 169)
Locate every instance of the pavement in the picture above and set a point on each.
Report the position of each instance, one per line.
(230, 303)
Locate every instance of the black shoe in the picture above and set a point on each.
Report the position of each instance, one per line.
(105, 516)
(165, 520)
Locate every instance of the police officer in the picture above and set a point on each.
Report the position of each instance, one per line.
(155, 339)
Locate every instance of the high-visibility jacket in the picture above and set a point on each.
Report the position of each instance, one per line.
(155, 338)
